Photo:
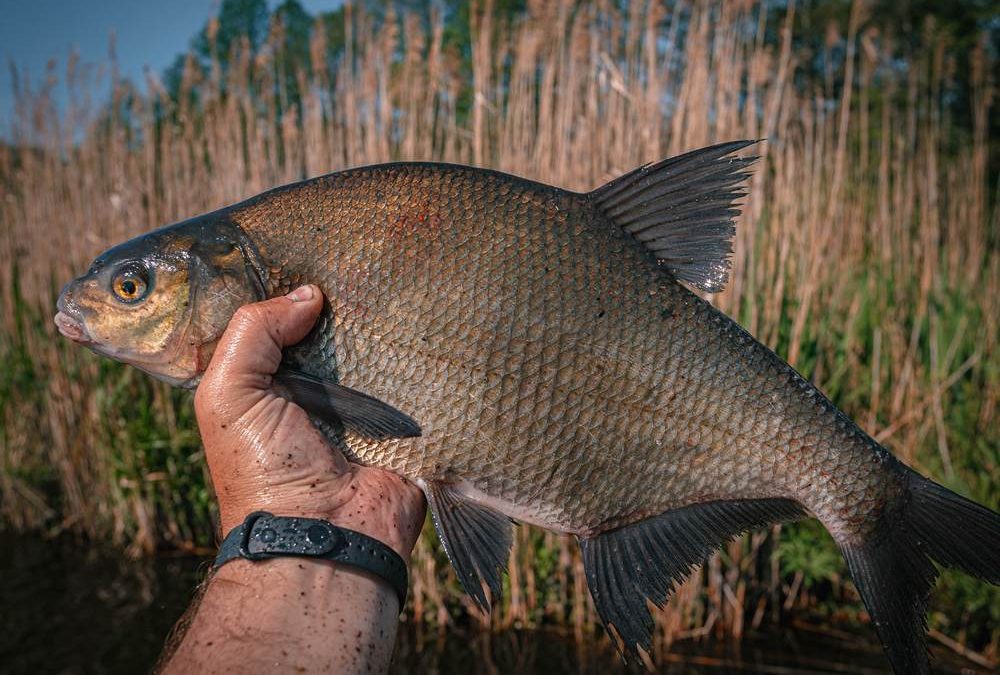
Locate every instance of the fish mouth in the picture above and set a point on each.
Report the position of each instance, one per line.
(69, 322)
(72, 328)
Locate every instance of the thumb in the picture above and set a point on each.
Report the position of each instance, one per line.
(249, 351)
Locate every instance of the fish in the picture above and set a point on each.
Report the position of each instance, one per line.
(529, 354)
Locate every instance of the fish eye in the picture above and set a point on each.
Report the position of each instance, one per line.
(131, 283)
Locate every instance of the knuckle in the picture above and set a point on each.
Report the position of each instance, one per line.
(251, 319)
(248, 315)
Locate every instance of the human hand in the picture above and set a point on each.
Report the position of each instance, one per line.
(264, 453)
(288, 614)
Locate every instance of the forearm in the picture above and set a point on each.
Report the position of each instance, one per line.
(290, 615)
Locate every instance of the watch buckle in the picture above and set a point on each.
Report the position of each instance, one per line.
(246, 533)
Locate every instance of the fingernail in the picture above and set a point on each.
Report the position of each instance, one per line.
(301, 294)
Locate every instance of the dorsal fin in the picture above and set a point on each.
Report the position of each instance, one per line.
(682, 209)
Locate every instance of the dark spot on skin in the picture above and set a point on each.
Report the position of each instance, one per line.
(600, 314)
(223, 426)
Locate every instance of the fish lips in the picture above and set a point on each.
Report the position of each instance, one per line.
(69, 321)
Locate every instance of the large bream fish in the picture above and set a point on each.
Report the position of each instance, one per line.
(559, 370)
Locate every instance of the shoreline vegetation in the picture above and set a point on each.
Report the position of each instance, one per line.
(866, 254)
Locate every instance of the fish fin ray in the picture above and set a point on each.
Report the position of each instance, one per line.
(336, 404)
(645, 560)
(476, 539)
(893, 568)
(683, 210)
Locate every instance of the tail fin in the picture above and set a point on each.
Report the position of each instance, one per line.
(894, 572)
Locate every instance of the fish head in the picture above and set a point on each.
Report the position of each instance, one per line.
(161, 301)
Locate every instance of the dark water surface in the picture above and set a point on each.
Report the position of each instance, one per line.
(67, 609)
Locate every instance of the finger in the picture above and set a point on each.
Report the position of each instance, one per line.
(249, 351)
(256, 334)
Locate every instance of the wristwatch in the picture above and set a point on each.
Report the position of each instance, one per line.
(264, 535)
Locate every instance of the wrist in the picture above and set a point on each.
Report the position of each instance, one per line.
(265, 536)
(365, 520)
(313, 584)
(372, 503)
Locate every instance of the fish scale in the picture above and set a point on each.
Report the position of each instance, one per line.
(524, 352)
(492, 325)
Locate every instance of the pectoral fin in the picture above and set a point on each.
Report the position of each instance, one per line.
(336, 404)
(477, 540)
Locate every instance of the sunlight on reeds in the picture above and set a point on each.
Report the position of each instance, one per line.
(866, 254)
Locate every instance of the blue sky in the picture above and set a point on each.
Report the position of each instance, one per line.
(149, 32)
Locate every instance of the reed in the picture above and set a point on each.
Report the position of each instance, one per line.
(866, 255)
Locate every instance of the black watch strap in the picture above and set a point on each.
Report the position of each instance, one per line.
(263, 535)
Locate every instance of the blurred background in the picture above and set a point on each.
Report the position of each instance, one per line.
(867, 256)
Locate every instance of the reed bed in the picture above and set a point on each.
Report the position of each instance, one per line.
(866, 255)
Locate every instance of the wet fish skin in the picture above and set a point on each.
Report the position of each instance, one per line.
(552, 365)
(558, 371)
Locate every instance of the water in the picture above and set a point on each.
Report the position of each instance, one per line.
(67, 609)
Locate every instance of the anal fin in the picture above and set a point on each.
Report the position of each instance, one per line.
(644, 560)
(477, 540)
